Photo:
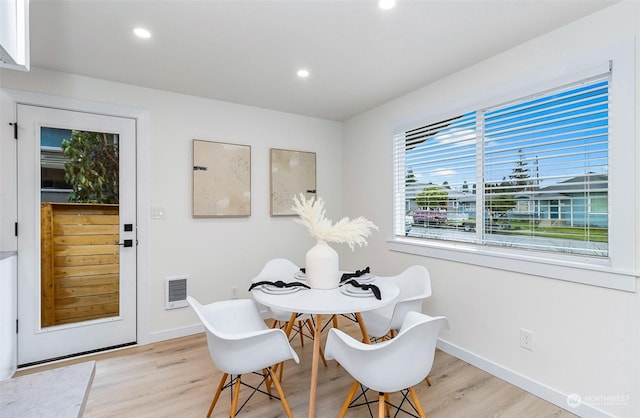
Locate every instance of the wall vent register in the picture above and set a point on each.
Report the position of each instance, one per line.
(176, 291)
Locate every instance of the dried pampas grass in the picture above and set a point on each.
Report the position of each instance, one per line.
(350, 231)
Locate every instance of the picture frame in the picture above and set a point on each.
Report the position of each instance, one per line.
(292, 172)
(221, 179)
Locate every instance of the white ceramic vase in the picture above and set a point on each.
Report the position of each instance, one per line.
(321, 264)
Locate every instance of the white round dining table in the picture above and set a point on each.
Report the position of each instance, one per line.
(330, 301)
(319, 302)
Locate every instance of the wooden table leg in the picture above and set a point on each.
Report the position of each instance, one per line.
(292, 321)
(363, 329)
(314, 366)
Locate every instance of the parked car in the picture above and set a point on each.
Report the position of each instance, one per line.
(430, 217)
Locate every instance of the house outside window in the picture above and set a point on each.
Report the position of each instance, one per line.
(53, 186)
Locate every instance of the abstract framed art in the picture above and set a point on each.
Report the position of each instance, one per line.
(221, 179)
(292, 173)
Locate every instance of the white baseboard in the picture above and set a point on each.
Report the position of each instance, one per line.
(170, 334)
(536, 388)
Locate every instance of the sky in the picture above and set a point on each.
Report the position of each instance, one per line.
(556, 136)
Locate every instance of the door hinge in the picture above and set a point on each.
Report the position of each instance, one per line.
(16, 326)
(15, 129)
(15, 228)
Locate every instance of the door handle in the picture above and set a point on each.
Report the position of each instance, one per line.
(126, 243)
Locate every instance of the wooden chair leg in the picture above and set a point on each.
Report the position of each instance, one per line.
(267, 380)
(416, 403)
(311, 328)
(234, 401)
(387, 404)
(335, 321)
(352, 392)
(381, 404)
(217, 394)
(281, 371)
(287, 331)
(300, 332)
(285, 404)
(426, 379)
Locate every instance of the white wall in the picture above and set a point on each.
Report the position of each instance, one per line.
(217, 253)
(587, 339)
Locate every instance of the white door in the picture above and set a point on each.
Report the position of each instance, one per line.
(38, 341)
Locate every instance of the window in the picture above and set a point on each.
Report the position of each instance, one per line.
(530, 174)
(536, 180)
(53, 186)
(99, 147)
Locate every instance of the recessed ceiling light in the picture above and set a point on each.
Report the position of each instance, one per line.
(142, 33)
(386, 4)
(303, 73)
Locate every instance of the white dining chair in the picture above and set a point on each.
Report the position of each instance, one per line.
(240, 343)
(394, 365)
(284, 269)
(415, 286)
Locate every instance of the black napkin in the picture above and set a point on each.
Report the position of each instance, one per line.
(278, 283)
(372, 287)
(358, 273)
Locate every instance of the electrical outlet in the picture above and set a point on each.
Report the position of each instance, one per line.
(526, 339)
(234, 292)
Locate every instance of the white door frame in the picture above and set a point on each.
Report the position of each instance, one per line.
(142, 182)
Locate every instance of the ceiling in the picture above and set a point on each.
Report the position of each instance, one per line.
(248, 52)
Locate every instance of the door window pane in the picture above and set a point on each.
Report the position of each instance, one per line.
(80, 255)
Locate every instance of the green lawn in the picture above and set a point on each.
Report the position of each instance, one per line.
(528, 228)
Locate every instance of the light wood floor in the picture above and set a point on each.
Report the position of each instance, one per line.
(176, 378)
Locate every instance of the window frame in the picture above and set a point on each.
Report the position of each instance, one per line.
(620, 270)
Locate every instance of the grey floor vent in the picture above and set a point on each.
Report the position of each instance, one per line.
(176, 292)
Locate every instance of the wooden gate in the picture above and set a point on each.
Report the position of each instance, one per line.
(80, 265)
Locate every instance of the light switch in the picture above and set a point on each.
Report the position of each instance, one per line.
(157, 212)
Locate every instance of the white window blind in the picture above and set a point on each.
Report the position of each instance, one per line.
(529, 174)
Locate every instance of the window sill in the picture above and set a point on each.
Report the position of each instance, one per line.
(583, 270)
